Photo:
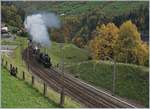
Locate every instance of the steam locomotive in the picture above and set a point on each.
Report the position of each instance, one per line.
(39, 56)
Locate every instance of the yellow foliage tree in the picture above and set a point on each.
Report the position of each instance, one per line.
(141, 53)
(125, 44)
(103, 43)
(129, 47)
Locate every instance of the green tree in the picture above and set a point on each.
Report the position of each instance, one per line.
(12, 16)
(18, 21)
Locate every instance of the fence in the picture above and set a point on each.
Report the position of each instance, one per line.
(38, 84)
(26, 76)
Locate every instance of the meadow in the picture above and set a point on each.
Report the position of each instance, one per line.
(19, 94)
(131, 80)
(129, 77)
(16, 60)
(70, 52)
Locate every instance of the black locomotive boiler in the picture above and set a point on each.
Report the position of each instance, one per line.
(44, 59)
(41, 57)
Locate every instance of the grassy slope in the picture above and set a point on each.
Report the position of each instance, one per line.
(130, 78)
(132, 81)
(16, 93)
(71, 53)
(18, 41)
(15, 59)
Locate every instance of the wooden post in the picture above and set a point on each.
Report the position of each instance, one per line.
(28, 58)
(62, 97)
(10, 67)
(32, 80)
(23, 75)
(114, 78)
(6, 64)
(2, 62)
(21, 47)
(16, 71)
(45, 89)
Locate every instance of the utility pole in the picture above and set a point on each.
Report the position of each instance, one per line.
(28, 54)
(45, 50)
(62, 95)
(114, 77)
(21, 47)
(113, 74)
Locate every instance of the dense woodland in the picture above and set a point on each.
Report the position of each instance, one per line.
(122, 35)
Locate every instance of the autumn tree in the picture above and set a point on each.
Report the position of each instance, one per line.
(78, 41)
(56, 35)
(129, 47)
(142, 54)
(66, 29)
(103, 43)
(127, 41)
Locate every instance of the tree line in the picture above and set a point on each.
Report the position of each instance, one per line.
(79, 29)
(121, 43)
(140, 17)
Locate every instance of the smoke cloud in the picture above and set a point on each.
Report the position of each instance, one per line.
(37, 26)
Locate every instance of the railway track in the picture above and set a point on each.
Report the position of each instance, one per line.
(87, 95)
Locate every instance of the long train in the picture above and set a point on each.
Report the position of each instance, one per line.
(42, 58)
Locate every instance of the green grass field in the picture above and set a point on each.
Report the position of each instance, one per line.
(132, 81)
(130, 78)
(16, 93)
(72, 53)
(15, 59)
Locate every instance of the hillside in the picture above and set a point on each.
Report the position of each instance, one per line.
(71, 53)
(79, 19)
(76, 8)
(16, 59)
(21, 94)
(131, 80)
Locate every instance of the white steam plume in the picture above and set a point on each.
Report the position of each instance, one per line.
(37, 25)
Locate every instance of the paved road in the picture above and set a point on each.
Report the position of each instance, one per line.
(7, 48)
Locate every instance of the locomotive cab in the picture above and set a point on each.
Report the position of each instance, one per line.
(46, 61)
